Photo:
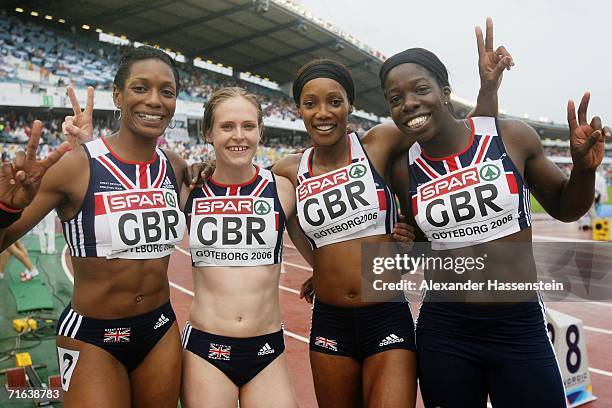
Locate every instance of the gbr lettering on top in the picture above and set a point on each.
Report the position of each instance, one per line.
(227, 230)
(338, 204)
(141, 222)
(470, 205)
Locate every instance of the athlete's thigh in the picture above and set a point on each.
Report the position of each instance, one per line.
(530, 383)
(389, 379)
(337, 380)
(93, 376)
(450, 381)
(156, 382)
(270, 388)
(204, 385)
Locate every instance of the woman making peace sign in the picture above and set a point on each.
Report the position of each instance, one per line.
(118, 202)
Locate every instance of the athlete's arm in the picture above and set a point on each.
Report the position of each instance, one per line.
(566, 199)
(491, 66)
(36, 186)
(400, 184)
(286, 193)
(298, 239)
(288, 167)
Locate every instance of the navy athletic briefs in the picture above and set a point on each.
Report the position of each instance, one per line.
(240, 359)
(361, 331)
(129, 340)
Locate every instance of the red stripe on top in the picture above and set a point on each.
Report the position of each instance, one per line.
(206, 190)
(512, 185)
(8, 209)
(99, 208)
(484, 146)
(142, 176)
(259, 189)
(452, 165)
(465, 149)
(127, 183)
(415, 208)
(382, 200)
(424, 167)
(276, 220)
(233, 190)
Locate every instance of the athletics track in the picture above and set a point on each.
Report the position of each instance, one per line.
(296, 313)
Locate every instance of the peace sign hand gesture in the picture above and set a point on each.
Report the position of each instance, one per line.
(587, 140)
(19, 180)
(491, 63)
(79, 128)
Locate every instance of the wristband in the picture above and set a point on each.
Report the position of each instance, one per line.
(8, 215)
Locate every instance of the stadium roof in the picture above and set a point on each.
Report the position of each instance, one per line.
(256, 36)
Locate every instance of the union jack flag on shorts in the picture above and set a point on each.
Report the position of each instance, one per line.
(219, 352)
(326, 343)
(117, 335)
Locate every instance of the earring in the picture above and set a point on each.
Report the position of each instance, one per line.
(117, 118)
(172, 124)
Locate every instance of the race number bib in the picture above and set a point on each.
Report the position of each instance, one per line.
(338, 204)
(475, 204)
(233, 231)
(143, 223)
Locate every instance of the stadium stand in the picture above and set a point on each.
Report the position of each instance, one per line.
(43, 59)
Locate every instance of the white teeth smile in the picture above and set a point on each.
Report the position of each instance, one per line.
(146, 116)
(417, 122)
(237, 148)
(324, 128)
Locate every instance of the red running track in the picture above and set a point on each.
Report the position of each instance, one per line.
(296, 315)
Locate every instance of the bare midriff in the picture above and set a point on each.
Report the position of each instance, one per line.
(118, 288)
(236, 301)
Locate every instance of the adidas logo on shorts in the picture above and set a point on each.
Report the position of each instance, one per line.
(161, 321)
(390, 339)
(266, 349)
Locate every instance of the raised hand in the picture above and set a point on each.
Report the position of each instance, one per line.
(491, 63)
(79, 127)
(20, 179)
(587, 140)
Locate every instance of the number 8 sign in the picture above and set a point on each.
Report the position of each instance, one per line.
(568, 338)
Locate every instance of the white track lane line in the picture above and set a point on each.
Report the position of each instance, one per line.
(597, 330)
(602, 372)
(600, 304)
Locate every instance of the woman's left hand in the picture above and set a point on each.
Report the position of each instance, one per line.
(587, 140)
(403, 233)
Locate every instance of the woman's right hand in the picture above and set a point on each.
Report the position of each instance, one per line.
(20, 179)
(79, 128)
(491, 63)
(307, 290)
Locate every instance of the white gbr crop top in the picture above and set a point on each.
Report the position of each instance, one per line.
(130, 211)
(348, 203)
(236, 224)
(472, 197)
